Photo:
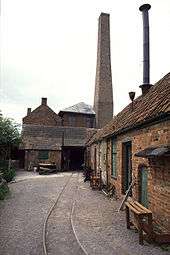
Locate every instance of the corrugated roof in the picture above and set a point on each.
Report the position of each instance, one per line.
(146, 107)
(80, 108)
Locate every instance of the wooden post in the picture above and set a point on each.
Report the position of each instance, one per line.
(140, 229)
(127, 218)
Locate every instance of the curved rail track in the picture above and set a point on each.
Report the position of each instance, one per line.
(71, 217)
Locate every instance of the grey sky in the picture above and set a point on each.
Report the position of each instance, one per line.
(49, 49)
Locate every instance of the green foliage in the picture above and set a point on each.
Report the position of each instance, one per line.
(8, 174)
(4, 190)
(165, 247)
(9, 136)
(9, 133)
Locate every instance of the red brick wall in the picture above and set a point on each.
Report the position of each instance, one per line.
(42, 115)
(158, 169)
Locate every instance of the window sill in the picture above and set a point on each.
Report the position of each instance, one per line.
(114, 177)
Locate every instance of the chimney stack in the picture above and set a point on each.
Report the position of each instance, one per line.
(103, 98)
(146, 56)
(132, 96)
(43, 101)
(28, 111)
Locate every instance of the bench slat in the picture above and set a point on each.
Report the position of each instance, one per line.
(137, 207)
(132, 208)
(142, 207)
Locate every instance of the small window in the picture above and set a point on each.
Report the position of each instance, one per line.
(43, 155)
(72, 121)
(114, 155)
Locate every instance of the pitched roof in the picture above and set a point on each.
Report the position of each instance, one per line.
(146, 107)
(37, 116)
(80, 108)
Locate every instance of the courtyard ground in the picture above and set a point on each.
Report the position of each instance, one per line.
(82, 221)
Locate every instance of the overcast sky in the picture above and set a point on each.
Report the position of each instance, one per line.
(49, 49)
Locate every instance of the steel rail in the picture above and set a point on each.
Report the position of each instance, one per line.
(71, 218)
(48, 215)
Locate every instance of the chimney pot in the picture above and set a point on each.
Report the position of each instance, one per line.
(28, 111)
(132, 95)
(145, 88)
(43, 101)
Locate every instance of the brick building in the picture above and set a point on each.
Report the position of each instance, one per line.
(48, 137)
(60, 138)
(135, 146)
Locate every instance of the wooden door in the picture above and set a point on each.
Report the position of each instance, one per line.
(144, 186)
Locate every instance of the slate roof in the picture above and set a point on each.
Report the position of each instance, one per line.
(79, 108)
(146, 107)
(39, 137)
(154, 151)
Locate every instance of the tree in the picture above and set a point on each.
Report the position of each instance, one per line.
(9, 137)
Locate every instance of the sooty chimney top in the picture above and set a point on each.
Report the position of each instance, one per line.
(144, 7)
(43, 101)
(28, 111)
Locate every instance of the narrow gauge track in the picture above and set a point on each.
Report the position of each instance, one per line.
(71, 217)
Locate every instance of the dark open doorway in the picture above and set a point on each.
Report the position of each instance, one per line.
(127, 166)
(73, 158)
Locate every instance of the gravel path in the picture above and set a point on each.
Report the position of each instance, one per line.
(97, 225)
(102, 230)
(22, 215)
(60, 236)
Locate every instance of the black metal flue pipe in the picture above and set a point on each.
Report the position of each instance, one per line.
(146, 56)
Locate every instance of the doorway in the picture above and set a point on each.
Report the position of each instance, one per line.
(143, 187)
(127, 166)
(72, 158)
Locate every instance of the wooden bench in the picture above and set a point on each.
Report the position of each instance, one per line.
(142, 219)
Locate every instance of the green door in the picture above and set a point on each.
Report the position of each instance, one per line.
(144, 187)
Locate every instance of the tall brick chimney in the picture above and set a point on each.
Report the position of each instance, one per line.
(103, 98)
(43, 101)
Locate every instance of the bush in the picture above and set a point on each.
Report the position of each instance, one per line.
(8, 174)
(4, 190)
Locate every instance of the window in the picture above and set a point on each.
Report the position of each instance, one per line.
(43, 155)
(88, 122)
(72, 121)
(114, 154)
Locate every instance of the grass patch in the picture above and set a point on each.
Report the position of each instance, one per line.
(8, 174)
(4, 190)
(165, 247)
